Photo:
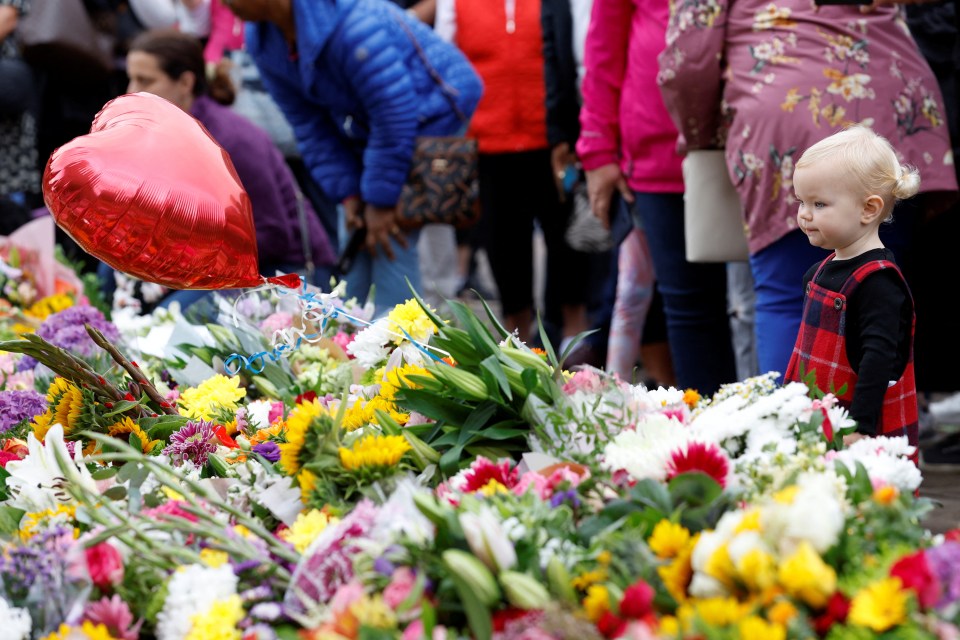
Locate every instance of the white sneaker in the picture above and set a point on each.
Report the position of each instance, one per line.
(946, 411)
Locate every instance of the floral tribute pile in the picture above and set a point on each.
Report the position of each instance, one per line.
(299, 469)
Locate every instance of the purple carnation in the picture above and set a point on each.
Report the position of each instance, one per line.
(65, 329)
(269, 450)
(944, 560)
(195, 441)
(17, 406)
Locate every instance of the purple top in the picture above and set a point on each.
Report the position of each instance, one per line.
(270, 185)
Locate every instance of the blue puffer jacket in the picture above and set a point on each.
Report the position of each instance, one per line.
(357, 93)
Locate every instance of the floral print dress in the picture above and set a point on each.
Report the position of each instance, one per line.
(18, 151)
(765, 80)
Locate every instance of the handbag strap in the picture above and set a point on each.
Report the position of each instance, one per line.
(448, 92)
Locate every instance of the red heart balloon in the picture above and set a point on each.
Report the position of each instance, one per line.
(152, 194)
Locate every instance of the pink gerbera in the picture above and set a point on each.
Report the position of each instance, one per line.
(483, 471)
(704, 457)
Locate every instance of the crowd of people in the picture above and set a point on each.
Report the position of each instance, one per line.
(573, 103)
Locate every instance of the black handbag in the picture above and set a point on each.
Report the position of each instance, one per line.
(443, 186)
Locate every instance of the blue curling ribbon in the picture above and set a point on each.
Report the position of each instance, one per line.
(312, 310)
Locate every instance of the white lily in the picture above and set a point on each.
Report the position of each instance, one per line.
(488, 540)
(34, 481)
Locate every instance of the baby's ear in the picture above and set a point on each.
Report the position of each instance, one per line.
(872, 209)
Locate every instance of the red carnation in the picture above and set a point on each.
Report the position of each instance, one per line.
(482, 471)
(636, 600)
(105, 565)
(610, 626)
(704, 457)
(838, 607)
(914, 572)
(308, 396)
(7, 456)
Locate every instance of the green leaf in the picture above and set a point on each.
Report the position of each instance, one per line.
(694, 489)
(162, 427)
(121, 406)
(478, 615)
(10, 520)
(530, 379)
(494, 321)
(492, 364)
(116, 493)
(434, 406)
(551, 354)
(105, 474)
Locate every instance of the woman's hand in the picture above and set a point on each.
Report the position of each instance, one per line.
(850, 438)
(352, 212)
(381, 225)
(561, 157)
(8, 20)
(601, 183)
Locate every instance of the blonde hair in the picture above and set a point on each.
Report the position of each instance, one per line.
(870, 160)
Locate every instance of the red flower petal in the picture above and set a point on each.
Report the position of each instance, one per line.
(704, 457)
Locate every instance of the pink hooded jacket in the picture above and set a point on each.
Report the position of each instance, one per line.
(623, 119)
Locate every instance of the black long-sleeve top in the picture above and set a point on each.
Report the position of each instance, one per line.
(879, 318)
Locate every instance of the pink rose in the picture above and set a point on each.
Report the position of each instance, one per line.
(414, 631)
(401, 584)
(105, 565)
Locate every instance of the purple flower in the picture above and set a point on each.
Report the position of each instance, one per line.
(944, 559)
(269, 450)
(195, 441)
(383, 566)
(41, 563)
(17, 406)
(65, 329)
(329, 564)
(570, 495)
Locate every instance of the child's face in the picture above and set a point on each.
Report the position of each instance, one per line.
(831, 209)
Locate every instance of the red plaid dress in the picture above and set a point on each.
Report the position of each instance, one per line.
(821, 347)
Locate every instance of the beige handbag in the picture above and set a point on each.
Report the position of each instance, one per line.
(713, 222)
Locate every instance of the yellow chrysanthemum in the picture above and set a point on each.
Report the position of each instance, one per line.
(880, 606)
(374, 451)
(398, 378)
(597, 602)
(886, 495)
(668, 539)
(306, 528)
(787, 495)
(218, 392)
(691, 398)
(62, 514)
(749, 522)
(583, 581)
(88, 630)
(782, 612)
(219, 622)
(756, 628)
(806, 576)
(720, 612)
(669, 627)
(409, 318)
(605, 558)
(214, 557)
(372, 611)
(45, 307)
(125, 426)
(720, 566)
(676, 575)
(757, 569)
(297, 425)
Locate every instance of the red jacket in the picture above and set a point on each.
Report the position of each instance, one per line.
(512, 114)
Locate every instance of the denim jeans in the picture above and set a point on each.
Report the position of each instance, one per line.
(694, 297)
(389, 277)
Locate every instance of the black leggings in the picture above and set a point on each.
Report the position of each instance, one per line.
(515, 190)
